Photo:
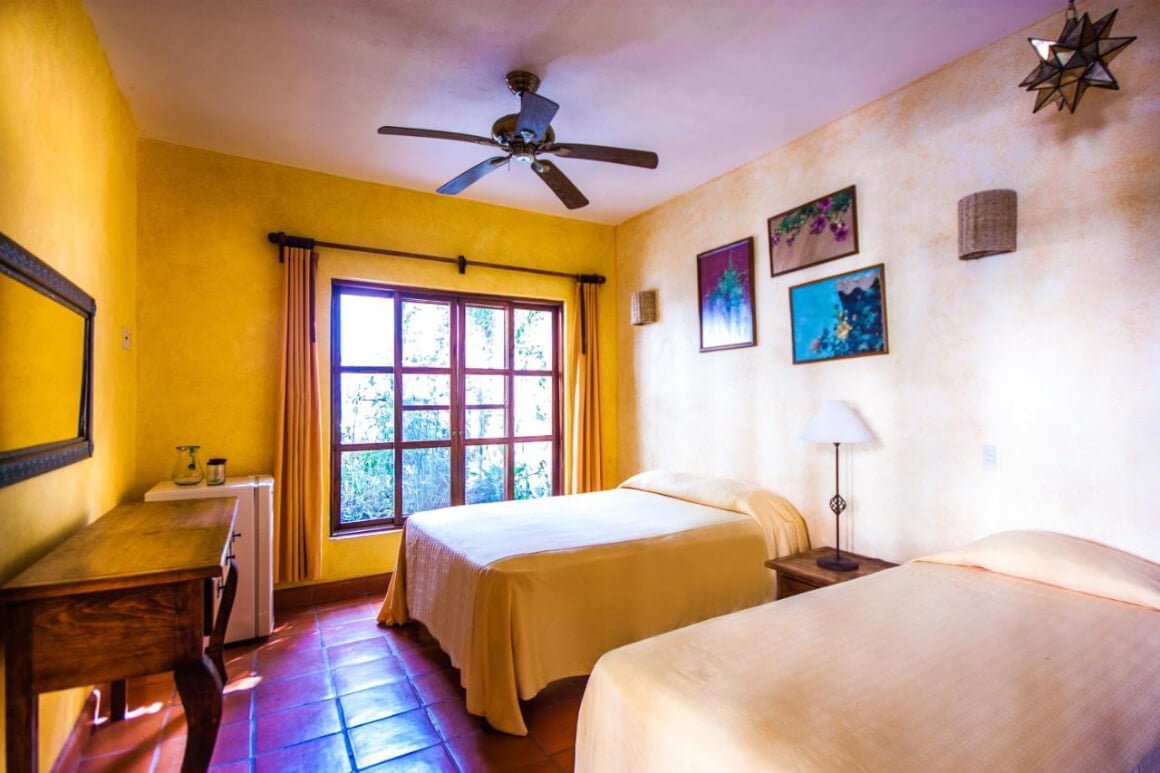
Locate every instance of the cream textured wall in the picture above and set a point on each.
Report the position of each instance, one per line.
(68, 194)
(210, 289)
(1050, 353)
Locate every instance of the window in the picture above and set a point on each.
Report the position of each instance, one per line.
(439, 400)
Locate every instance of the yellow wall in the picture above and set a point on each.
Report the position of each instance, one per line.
(1049, 353)
(69, 195)
(210, 289)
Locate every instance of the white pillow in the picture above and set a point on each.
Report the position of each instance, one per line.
(1064, 561)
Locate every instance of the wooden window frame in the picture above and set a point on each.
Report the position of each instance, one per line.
(458, 372)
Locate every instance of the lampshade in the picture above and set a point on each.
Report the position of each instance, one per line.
(836, 422)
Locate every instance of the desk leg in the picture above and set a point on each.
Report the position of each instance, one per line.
(218, 636)
(201, 695)
(19, 699)
(118, 700)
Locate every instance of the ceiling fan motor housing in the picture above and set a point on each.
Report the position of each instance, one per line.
(519, 81)
(504, 132)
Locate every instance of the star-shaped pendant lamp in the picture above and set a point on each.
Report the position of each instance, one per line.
(1077, 60)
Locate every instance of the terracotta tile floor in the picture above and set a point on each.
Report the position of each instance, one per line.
(332, 691)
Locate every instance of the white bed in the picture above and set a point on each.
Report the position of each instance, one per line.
(520, 594)
(1025, 651)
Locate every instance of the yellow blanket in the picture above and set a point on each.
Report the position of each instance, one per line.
(520, 594)
(928, 666)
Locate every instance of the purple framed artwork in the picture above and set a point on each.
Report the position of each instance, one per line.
(825, 229)
(839, 316)
(725, 296)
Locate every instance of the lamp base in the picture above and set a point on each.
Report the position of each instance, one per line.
(837, 563)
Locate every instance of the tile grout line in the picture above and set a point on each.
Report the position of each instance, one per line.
(252, 714)
(155, 758)
(350, 758)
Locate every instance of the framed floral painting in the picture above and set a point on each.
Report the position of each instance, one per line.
(825, 229)
(725, 296)
(839, 316)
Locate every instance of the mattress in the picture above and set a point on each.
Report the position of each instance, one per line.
(520, 594)
(1029, 652)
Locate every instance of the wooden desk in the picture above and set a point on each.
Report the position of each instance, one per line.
(130, 594)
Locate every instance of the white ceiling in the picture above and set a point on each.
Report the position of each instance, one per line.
(707, 84)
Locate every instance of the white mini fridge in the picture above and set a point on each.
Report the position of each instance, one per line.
(253, 613)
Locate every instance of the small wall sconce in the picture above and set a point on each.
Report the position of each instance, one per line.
(644, 307)
(986, 224)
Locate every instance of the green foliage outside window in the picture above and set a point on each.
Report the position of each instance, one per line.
(368, 403)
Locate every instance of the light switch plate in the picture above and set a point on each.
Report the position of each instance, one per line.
(990, 457)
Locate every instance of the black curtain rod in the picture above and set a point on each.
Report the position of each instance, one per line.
(283, 241)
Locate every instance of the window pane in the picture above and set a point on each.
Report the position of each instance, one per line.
(367, 485)
(484, 423)
(368, 405)
(485, 473)
(533, 468)
(426, 479)
(426, 334)
(485, 337)
(426, 425)
(532, 396)
(424, 380)
(533, 340)
(426, 389)
(367, 327)
(485, 390)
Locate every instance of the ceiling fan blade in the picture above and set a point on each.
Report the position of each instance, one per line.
(536, 113)
(560, 184)
(460, 183)
(435, 134)
(642, 158)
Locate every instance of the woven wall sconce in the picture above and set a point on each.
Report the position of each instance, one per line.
(644, 307)
(986, 224)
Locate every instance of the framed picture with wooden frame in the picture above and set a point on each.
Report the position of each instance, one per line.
(822, 230)
(725, 296)
(840, 316)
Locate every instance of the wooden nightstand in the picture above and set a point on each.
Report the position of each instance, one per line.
(800, 573)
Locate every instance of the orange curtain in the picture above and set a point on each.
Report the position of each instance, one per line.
(584, 396)
(298, 459)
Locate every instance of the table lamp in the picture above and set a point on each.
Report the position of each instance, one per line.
(836, 423)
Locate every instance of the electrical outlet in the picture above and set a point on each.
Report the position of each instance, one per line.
(126, 339)
(990, 457)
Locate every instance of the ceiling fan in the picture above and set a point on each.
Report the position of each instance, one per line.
(525, 136)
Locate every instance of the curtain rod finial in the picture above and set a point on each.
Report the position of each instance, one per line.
(283, 241)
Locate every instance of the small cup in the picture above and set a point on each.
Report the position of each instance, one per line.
(215, 472)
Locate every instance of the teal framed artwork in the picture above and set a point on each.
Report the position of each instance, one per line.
(840, 316)
(725, 296)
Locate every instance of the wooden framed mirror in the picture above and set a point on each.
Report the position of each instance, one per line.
(46, 367)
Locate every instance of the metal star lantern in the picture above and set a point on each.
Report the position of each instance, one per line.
(1077, 60)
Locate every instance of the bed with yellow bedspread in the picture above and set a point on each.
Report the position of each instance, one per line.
(520, 594)
(1025, 651)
